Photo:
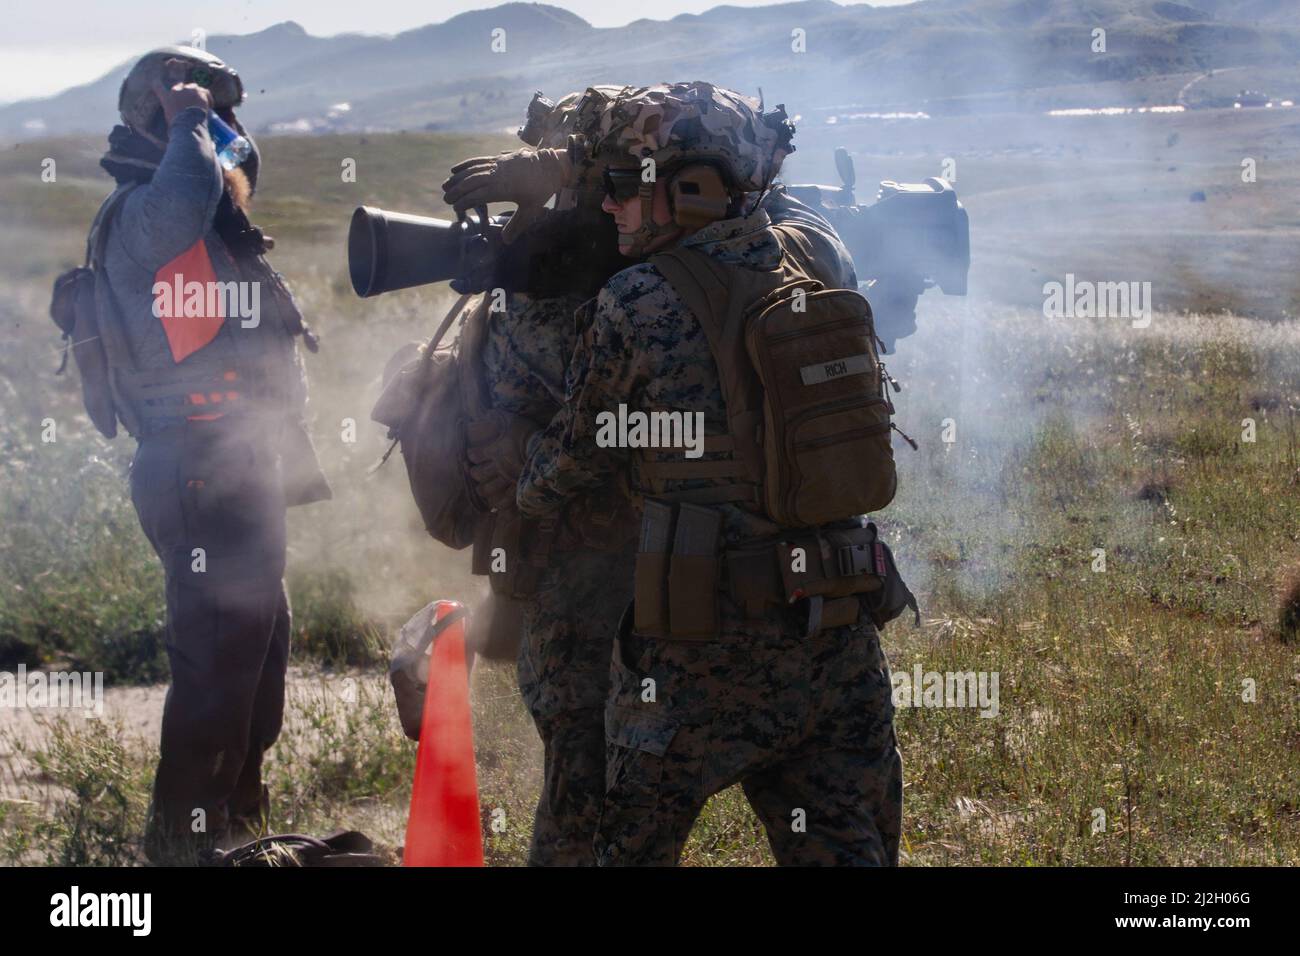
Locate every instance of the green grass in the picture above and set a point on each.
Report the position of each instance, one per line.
(1121, 690)
(97, 786)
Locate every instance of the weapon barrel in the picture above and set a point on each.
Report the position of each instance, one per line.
(393, 250)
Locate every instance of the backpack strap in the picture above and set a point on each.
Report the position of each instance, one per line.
(470, 346)
(426, 360)
(120, 357)
(719, 296)
(98, 234)
(94, 250)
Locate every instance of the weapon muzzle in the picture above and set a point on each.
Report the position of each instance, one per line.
(394, 250)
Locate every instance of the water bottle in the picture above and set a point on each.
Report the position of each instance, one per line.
(232, 149)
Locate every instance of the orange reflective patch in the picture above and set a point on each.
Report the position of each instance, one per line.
(186, 334)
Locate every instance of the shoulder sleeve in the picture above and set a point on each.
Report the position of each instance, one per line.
(161, 219)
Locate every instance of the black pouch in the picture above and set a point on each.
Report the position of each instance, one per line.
(75, 312)
(693, 573)
(893, 596)
(72, 307)
(63, 303)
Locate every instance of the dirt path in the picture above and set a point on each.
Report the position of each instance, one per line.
(138, 709)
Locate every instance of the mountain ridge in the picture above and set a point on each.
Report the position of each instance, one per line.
(449, 75)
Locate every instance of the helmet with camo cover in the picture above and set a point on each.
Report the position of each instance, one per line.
(138, 102)
(679, 129)
(680, 123)
(559, 125)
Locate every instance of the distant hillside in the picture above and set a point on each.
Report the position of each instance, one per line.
(447, 76)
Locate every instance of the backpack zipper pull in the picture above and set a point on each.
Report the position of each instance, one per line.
(906, 437)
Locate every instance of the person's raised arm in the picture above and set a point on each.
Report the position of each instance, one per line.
(162, 218)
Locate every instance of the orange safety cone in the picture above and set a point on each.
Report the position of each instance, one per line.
(444, 827)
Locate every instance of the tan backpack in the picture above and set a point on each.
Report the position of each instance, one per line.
(427, 397)
(430, 393)
(807, 410)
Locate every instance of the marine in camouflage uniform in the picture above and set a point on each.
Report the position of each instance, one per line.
(804, 724)
(570, 618)
(569, 622)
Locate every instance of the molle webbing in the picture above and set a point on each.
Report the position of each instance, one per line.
(710, 291)
(821, 562)
(721, 297)
(801, 380)
(680, 571)
(162, 397)
(676, 468)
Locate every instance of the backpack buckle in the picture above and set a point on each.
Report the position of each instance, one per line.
(855, 559)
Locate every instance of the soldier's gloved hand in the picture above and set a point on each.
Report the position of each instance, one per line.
(497, 447)
(527, 177)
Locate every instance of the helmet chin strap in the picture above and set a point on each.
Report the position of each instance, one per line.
(651, 235)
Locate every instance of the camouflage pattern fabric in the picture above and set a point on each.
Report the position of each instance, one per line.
(564, 121)
(570, 622)
(804, 724)
(563, 671)
(640, 346)
(526, 351)
(669, 122)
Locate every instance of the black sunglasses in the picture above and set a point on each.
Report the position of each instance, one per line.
(621, 184)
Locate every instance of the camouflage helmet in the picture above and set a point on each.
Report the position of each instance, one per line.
(551, 124)
(137, 101)
(710, 145)
(679, 123)
(556, 125)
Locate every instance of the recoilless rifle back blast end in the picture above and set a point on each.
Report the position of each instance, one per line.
(913, 229)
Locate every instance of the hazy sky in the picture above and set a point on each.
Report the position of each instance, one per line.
(51, 45)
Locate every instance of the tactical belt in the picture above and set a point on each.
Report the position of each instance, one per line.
(833, 572)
